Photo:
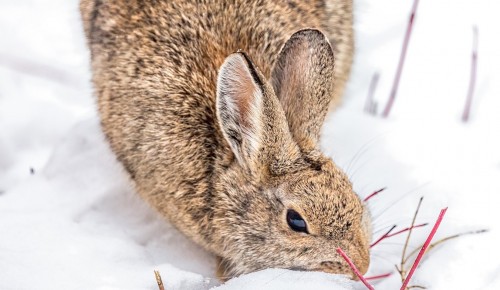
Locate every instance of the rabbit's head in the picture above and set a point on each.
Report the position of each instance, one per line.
(285, 204)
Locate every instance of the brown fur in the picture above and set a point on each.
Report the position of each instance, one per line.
(223, 154)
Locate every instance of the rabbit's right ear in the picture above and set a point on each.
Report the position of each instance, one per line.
(251, 118)
(302, 79)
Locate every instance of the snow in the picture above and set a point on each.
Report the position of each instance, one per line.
(285, 279)
(69, 218)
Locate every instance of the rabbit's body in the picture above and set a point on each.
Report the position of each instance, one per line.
(155, 66)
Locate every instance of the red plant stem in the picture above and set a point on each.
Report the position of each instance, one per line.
(383, 236)
(373, 194)
(402, 57)
(405, 230)
(354, 269)
(371, 93)
(473, 73)
(389, 235)
(382, 276)
(424, 248)
(40, 70)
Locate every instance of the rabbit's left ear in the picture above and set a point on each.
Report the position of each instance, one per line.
(302, 79)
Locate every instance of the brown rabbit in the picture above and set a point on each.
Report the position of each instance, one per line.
(215, 110)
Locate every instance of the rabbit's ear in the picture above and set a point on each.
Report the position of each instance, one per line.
(240, 96)
(251, 117)
(302, 79)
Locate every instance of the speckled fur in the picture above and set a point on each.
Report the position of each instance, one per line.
(224, 175)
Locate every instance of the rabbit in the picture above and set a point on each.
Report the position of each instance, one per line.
(215, 109)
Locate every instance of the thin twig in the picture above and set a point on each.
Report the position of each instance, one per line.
(40, 70)
(445, 239)
(473, 73)
(374, 193)
(402, 57)
(406, 230)
(354, 269)
(370, 105)
(424, 248)
(402, 271)
(382, 276)
(389, 235)
(382, 237)
(158, 280)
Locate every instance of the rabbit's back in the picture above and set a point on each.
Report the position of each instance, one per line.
(155, 67)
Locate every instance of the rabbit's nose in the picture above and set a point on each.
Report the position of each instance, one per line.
(359, 257)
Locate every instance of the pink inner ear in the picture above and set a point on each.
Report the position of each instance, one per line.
(241, 101)
(244, 90)
(291, 78)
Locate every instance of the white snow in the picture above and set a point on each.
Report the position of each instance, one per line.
(75, 222)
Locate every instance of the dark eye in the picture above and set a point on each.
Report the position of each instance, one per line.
(295, 221)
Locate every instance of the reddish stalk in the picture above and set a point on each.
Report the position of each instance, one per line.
(382, 276)
(472, 80)
(373, 194)
(424, 248)
(30, 68)
(402, 57)
(389, 235)
(383, 236)
(354, 269)
(407, 229)
(370, 106)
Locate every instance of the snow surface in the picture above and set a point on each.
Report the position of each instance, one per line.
(70, 220)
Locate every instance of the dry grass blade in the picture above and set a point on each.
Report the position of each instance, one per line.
(402, 270)
(445, 239)
(158, 280)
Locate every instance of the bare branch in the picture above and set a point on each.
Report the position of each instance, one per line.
(31, 68)
(424, 248)
(445, 239)
(371, 105)
(159, 281)
(374, 193)
(402, 57)
(472, 80)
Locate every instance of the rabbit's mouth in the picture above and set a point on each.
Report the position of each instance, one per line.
(318, 269)
(327, 267)
(332, 267)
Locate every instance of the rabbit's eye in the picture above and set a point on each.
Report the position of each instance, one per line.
(295, 221)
